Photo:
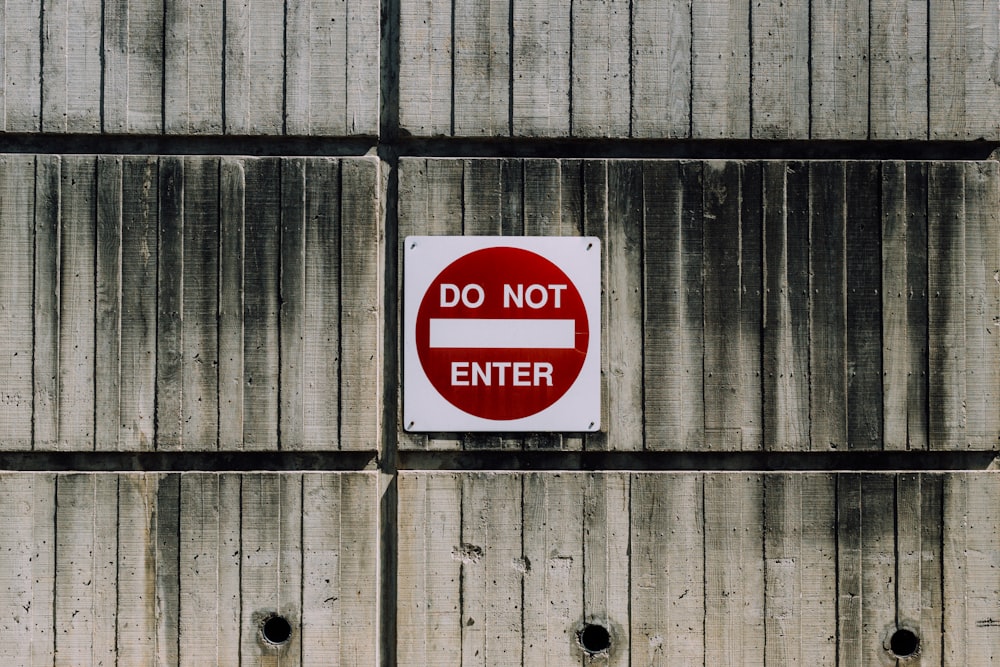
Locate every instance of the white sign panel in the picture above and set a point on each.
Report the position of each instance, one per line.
(501, 333)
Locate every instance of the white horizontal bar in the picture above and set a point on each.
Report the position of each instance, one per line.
(496, 334)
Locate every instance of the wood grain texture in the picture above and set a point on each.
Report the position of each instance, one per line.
(898, 77)
(661, 69)
(541, 89)
(839, 51)
(601, 81)
(254, 67)
(109, 284)
(481, 68)
(45, 361)
(21, 87)
(193, 68)
(133, 67)
(71, 66)
(425, 63)
(17, 201)
(720, 69)
(780, 70)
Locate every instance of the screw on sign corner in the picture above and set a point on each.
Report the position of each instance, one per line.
(904, 644)
(276, 630)
(594, 639)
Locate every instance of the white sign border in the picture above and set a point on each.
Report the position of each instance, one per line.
(425, 410)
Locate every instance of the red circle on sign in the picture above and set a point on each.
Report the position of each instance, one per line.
(502, 333)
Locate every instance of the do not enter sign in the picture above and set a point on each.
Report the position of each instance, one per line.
(502, 334)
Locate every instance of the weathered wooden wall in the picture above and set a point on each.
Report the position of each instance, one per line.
(183, 303)
(697, 569)
(187, 67)
(180, 569)
(719, 69)
(785, 306)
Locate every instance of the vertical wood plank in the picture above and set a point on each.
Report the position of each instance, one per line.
(254, 67)
(918, 560)
(430, 192)
(982, 305)
(209, 562)
(828, 332)
(800, 554)
(148, 603)
(734, 573)
(661, 69)
(752, 304)
(27, 568)
(541, 68)
(839, 69)
(895, 299)
(133, 67)
(864, 307)
(109, 288)
(71, 66)
(271, 568)
(492, 569)
(692, 247)
(77, 319)
(200, 302)
(338, 569)
(232, 327)
(169, 304)
(667, 423)
(17, 245)
(623, 248)
(86, 588)
(606, 570)
(720, 61)
(21, 88)
(425, 64)
(261, 298)
(724, 392)
(786, 379)
(667, 569)
(917, 313)
(316, 70)
(364, 21)
(360, 306)
(601, 83)
(780, 70)
(595, 214)
(428, 621)
(291, 316)
(482, 68)
(193, 67)
(140, 220)
(323, 287)
(946, 248)
(47, 307)
(553, 544)
(964, 44)
(898, 43)
(982, 568)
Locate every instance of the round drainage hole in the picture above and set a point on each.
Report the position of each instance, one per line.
(276, 630)
(904, 643)
(594, 638)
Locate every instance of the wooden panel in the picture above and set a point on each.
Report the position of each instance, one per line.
(898, 76)
(540, 93)
(482, 67)
(71, 61)
(750, 305)
(254, 67)
(21, 88)
(17, 195)
(661, 68)
(600, 83)
(720, 69)
(167, 569)
(108, 362)
(425, 63)
(765, 569)
(133, 67)
(780, 70)
(839, 68)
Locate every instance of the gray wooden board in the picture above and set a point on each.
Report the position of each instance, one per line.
(154, 569)
(691, 568)
(143, 303)
(748, 305)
